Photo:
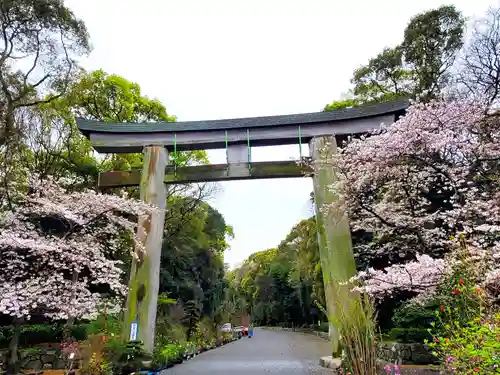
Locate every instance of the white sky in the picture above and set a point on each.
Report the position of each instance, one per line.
(212, 59)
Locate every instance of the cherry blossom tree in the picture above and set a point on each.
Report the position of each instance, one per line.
(421, 276)
(61, 252)
(413, 184)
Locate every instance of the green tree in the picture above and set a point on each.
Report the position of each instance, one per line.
(33, 34)
(283, 285)
(39, 41)
(192, 267)
(431, 42)
(419, 67)
(103, 97)
(385, 77)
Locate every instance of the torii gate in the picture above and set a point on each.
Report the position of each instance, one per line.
(323, 130)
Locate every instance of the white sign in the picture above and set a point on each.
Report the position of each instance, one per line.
(133, 331)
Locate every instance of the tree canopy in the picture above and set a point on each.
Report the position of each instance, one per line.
(419, 67)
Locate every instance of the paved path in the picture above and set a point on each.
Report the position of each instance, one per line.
(266, 352)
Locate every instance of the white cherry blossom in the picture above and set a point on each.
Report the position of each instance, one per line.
(57, 247)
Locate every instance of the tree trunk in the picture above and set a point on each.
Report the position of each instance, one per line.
(71, 320)
(13, 361)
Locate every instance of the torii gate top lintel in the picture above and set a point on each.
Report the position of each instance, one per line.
(237, 136)
(261, 131)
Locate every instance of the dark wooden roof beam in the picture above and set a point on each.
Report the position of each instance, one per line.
(216, 139)
(262, 131)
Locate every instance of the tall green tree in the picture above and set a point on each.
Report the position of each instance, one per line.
(430, 45)
(283, 285)
(192, 266)
(385, 77)
(39, 41)
(419, 67)
(103, 97)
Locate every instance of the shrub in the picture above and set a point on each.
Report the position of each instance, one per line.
(471, 348)
(323, 327)
(168, 333)
(96, 367)
(409, 335)
(125, 358)
(106, 324)
(413, 315)
(466, 337)
(170, 353)
(34, 334)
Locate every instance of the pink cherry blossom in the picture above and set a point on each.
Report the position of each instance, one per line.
(413, 184)
(57, 246)
(422, 275)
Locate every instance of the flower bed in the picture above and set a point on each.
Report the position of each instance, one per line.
(174, 354)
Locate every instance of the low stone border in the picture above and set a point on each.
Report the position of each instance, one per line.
(188, 357)
(323, 335)
(331, 363)
(335, 365)
(38, 361)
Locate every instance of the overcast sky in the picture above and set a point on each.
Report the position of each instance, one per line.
(213, 59)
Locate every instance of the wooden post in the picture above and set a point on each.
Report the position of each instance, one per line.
(334, 237)
(145, 273)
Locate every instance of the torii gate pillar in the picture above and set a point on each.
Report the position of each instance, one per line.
(145, 272)
(334, 237)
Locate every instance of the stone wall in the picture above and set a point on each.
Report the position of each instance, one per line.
(408, 353)
(36, 359)
(335, 365)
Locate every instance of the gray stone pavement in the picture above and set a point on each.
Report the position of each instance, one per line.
(266, 352)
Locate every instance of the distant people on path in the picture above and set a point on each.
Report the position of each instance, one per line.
(250, 330)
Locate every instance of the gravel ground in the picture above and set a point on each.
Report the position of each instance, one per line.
(266, 352)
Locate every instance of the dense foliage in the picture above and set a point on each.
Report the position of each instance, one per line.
(283, 285)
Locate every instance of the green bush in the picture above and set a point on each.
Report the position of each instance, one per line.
(409, 335)
(104, 324)
(125, 358)
(411, 315)
(323, 327)
(170, 353)
(471, 348)
(79, 332)
(167, 333)
(189, 348)
(466, 330)
(34, 334)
